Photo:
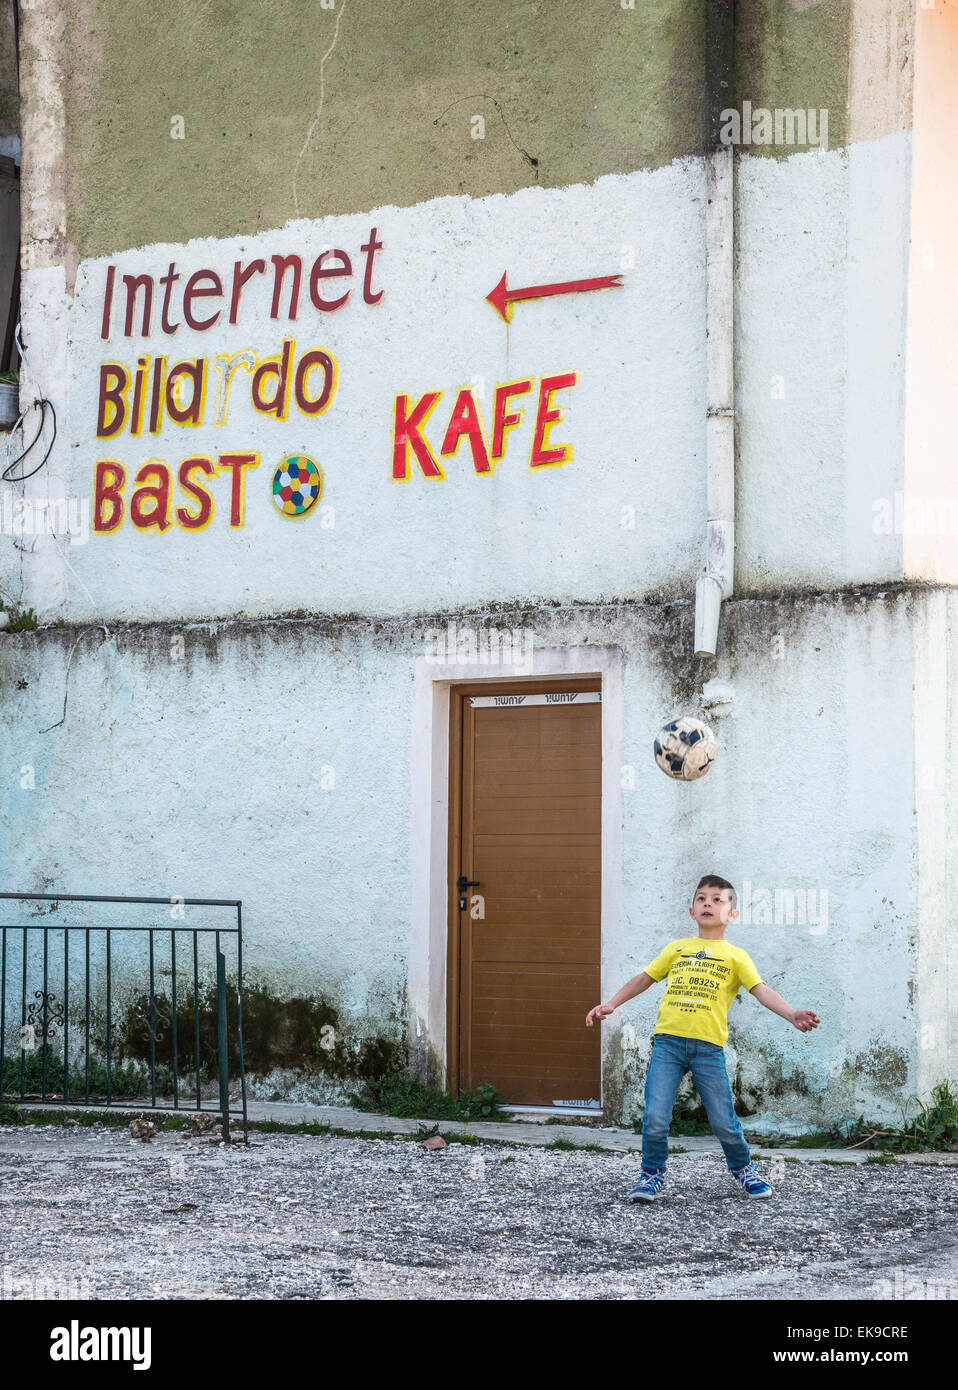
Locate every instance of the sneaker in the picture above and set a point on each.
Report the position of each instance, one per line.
(648, 1187)
(750, 1181)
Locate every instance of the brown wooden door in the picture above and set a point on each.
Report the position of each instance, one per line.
(530, 835)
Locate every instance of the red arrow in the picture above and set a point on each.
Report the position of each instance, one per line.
(501, 299)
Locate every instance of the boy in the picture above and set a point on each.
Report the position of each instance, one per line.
(704, 975)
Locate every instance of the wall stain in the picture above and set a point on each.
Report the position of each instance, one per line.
(302, 1033)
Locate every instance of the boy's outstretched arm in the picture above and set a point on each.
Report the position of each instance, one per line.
(803, 1019)
(628, 991)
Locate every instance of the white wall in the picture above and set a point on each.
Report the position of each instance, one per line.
(821, 282)
(203, 773)
(820, 325)
(634, 418)
(202, 777)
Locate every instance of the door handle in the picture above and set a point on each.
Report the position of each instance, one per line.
(462, 883)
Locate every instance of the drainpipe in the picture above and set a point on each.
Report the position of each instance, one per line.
(716, 580)
(46, 283)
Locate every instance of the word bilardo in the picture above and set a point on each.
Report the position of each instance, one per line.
(140, 398)
(465, 646)
(782, 126)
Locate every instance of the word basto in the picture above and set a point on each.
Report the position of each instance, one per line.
(150, 502)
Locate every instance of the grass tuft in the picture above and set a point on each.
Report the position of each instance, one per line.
(409, 1098)
(128, 1080)
(567, 1146)
(925, 1124)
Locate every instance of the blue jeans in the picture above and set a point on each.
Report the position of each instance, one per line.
(671, 1057)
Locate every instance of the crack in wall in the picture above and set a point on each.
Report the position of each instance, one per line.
(322, 99)
(484, 96)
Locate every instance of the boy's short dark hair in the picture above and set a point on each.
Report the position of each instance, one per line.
(713, 881)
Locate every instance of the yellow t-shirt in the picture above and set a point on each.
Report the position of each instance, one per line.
(703, 978)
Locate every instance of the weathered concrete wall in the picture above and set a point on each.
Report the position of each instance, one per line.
(9, 86)
(949, 794)
(820, 326)
(820, 405)
(362, 105)
(821, 300)
(793, 55)
(930, 501)
(588, 528)
(283, 750)
(820, 304)
(935, 986)
(365, 105)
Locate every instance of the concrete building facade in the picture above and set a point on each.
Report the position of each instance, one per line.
(312, 241)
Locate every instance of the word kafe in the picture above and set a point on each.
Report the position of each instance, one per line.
(140, 398)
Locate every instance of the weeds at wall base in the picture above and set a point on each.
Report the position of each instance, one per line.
(930, 1125)
(409, 1098)
(85, 1119)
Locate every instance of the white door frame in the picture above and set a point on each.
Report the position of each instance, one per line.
(429, 824)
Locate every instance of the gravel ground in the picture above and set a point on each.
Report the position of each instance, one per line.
(101, 1215)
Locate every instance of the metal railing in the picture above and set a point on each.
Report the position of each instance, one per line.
(63, 996)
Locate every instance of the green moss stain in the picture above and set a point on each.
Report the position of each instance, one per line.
(886, 1068)
(9, 88)
(565, 91)
(792, 58)
(302, 1034)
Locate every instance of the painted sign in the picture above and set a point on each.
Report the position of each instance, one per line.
(532, 450)
(140, 399)
(502, 299)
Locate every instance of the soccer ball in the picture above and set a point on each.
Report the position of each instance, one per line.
(297, 483)
(685, 749)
